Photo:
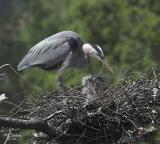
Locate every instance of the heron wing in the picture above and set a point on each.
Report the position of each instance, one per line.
(46, 53)
(50, 52)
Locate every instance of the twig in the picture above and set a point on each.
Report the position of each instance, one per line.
(52, 115)
(8, 136)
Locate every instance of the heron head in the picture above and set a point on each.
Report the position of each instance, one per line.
(96, 52)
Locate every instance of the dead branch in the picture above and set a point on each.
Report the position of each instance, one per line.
(30, 124)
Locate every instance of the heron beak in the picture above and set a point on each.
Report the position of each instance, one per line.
(108, 66)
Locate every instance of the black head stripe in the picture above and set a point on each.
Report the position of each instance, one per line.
(99, 53)
(96, 48)
(101, 56)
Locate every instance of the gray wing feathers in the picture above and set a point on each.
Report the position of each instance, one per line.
(49, 52)
(44, 54)
(46, 45)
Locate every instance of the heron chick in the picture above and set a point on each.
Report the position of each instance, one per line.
(60, 51)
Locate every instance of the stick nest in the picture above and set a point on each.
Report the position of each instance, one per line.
(98, 113)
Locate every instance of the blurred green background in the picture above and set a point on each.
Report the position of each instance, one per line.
(127, 30)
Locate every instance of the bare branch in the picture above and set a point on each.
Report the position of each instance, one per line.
(29, 124)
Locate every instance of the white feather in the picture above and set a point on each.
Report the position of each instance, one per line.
(88, 49)
(100, 49)
(3, 97)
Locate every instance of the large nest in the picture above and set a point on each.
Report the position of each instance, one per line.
(97, 113)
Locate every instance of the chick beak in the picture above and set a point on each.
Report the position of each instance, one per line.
(108, 66)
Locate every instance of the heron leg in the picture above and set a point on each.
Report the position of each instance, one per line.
(61, 83)
(60, 79)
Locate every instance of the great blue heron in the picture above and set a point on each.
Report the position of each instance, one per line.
(60, 51)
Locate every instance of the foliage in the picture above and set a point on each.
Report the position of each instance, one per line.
(127, 31)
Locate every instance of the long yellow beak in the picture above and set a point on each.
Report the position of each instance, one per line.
(108, 66)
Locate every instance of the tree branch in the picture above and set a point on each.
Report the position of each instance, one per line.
(30, 124)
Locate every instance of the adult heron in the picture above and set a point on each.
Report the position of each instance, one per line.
(60, 51)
